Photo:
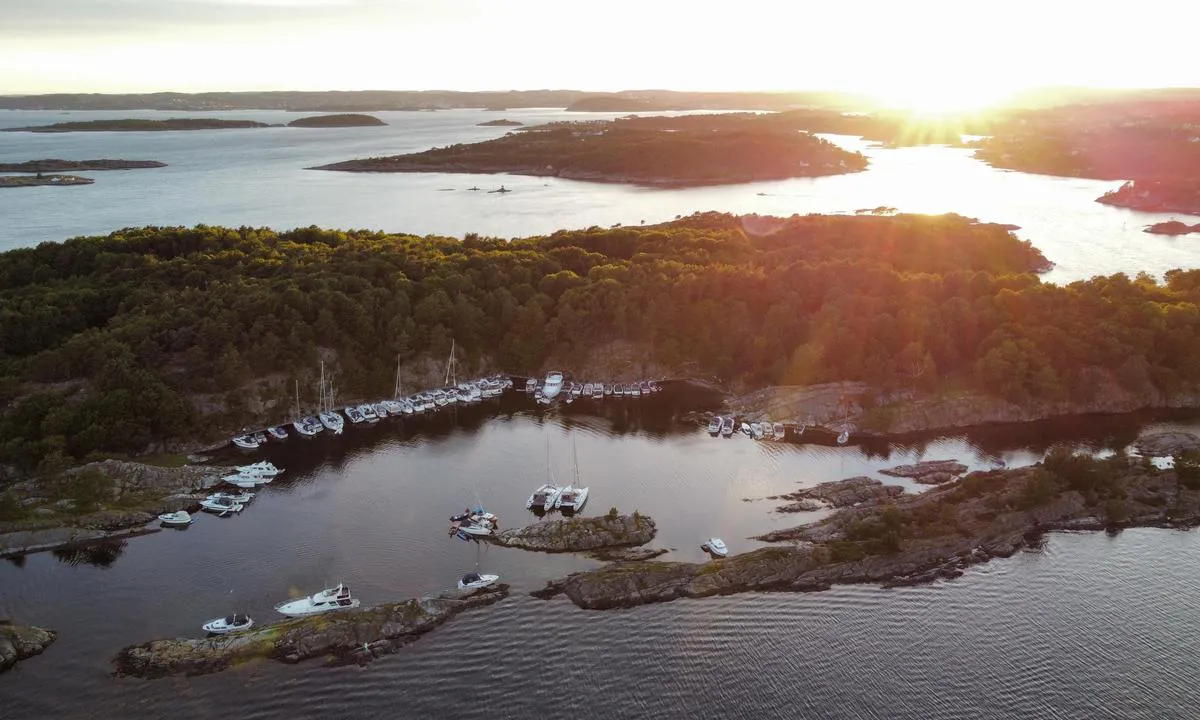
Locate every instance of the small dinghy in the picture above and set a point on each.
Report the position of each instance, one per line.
(228, 624)
(715, 546)
(475, 581)
(335, 598)
(177, 519)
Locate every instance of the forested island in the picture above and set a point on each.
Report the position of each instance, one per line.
(1172, 227)
(676, 152)
(162, 337)
(338, 120)
(1181, 196)
(141, 125)
(503, 122)
(55, 165)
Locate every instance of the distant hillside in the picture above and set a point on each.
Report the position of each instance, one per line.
(141, 125)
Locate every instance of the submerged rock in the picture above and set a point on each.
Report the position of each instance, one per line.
(578, 534)
(345, 636)
(18, 642)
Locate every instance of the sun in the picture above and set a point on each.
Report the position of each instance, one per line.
(935, 98)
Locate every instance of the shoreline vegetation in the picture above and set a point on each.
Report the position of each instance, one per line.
(14, 181)
(57, 165)
(901, 539)
(664, 152)
(140, 125)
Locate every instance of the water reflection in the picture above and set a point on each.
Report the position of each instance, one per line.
(101, 554)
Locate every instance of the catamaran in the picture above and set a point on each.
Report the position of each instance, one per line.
(335, 598)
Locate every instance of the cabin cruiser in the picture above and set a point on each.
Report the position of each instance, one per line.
(544, 498)
(714, 425)
(278, 432)
(553, 385)
(332, 421)
(715, 546)
(228, 624)
(368, 413)
(576, 390)
(335, 598)
(308, 427)
(475, 581)
(177, 519)
(247, 442)
(780, 431)
(354, 415)
(391, 407)
(263, 469)
(756, 431)
(382, 411)
(246, 481)
(220, 505)
(241, 498)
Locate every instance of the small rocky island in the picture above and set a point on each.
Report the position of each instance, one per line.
(661, 151)
(54, 165)
(899, 539)
(580, 534)
(141, 125)
(19, 642)
(1172, 227)
(336, 121)
(502, 122)
(11, 181)
(343, 637)
(1173, 196)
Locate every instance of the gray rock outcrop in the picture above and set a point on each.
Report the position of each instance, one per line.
(579, 534)
(18, 642)
(928, 472)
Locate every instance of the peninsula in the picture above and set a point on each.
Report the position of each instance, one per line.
(56, 165)
(907, 539)
(1172, 196)
(665, 152)
(141, 125)
(338, 120)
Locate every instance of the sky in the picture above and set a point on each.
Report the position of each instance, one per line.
(931, 51)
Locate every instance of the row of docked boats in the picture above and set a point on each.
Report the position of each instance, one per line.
(225, 503)
(727, 425)
(555, 386)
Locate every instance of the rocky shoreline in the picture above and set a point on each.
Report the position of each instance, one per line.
(13, 181)
(20, 642)
(910, 539)
(343, 637)
(56, 165)
(1172, 227)
(580, 534)
(100, 501)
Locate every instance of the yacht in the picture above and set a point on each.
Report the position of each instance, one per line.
(335, 598)
(716, 546)
(553, 385)
(220, 505)
(228, 624)
(714, 425)
(177, 519)
(727, 427)
(544, 498)
(245, 480)
(278, 432)
(475, 581)
(264, 468)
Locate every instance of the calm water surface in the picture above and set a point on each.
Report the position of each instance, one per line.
(1089, 626)
(257, 177)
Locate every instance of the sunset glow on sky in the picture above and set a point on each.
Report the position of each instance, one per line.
(925, 53)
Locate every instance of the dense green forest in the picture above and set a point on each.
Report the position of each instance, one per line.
(105, 342)
(704, 149)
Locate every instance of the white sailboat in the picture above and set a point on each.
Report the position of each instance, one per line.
(572, 497)
(330, 419)
(546, 496)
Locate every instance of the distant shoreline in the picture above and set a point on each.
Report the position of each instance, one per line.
(140, 125)
(13, 181)
(56, 165)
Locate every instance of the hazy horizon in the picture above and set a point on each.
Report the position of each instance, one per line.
(923, 53)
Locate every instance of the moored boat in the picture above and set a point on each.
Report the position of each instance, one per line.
(727, 427)
(241, 498)
(368, 413)
(553, 385)
(263, 468)
(220, 505)
(714, 425)
(278, 432)
(544, 498)
(780, 431)
(329, 599)
(475, 581)
(228, 624)
(179, 519)
(715, 546)
(246, 442)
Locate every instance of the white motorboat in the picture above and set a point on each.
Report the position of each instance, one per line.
(335, 598)
(381, 410)
(843, 437)
(220, 505)
(181, 518)
(553, 385)
(716, 546)
(263, 468)
(745, 428)
(246, 482)
(714, 425)
(572, 497)
(246, 442)
(727, 427)
(241, 498)
(634, 390)
(368, 413)
(228, 624)
(780, 431)
(354, 415)
(477, 522)
(544, 498)
(608, 389)
(278, 432)
(756, 431)
(576, 390)
(597, 392)
(475, 581)
(768, 430)
(393, 407)
(531, 385)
